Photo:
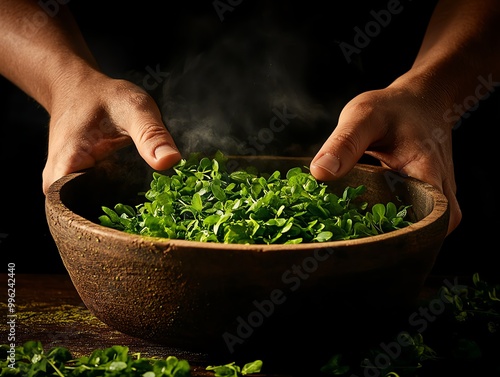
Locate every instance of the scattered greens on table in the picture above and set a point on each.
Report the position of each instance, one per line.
(204, 202)
(462, 339)
(31, 360)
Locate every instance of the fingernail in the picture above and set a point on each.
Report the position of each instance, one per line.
(164, 151)
(328, 162)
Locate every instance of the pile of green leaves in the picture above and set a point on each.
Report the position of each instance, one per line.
(31, 360)
(204, 202)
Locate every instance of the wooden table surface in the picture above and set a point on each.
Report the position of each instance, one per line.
(49, 309)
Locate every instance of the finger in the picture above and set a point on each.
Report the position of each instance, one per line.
(356, 130)
(155, 144)
(455, 211)
(433, 175)
(152, 140)
(65, 159)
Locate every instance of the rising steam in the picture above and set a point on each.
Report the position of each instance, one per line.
(231, 96)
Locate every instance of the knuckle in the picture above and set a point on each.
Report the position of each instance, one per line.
(150, 131)
(133, 96)
(350, 141)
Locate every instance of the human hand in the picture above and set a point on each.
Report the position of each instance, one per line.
(403, 129)
(99, 115)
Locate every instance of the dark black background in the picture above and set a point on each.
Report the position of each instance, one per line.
(302, 40)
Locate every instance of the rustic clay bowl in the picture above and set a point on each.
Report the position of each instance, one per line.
(206, 296)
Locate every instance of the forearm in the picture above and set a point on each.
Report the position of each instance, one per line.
(459, 53)
(41, 50)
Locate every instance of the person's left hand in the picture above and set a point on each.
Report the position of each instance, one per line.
(403, 129)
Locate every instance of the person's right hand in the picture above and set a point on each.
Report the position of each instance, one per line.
(92, 117)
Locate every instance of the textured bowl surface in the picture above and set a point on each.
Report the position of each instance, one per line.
(201, 296)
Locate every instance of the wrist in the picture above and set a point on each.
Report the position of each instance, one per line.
(449, 90)
(68, 79)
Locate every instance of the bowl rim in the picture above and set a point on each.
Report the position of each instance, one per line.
(440, 209)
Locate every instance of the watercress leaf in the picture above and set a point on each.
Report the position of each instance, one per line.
(476, 279)
(32, 349)
(323, 236)
(391, 210)
(205, 164)
(402, 213)
(165, 198)
(280, 210)
(215, 168)
(123, 209)
(59, 354)
(294, 241)
(236, 204)
(197, 203)
(288, 225)
(117, 366)
(275, 177)
(253, 367)
(113, 216)
(192, 160)
(229, 370)
(106, 221)
(240, 176)
(221, 220)
(311, 184)
(378, 211)
(293, 172)
(396, 222)
(335, 366)
(493, 295)
(316, 210)
(358, 191)
(262, 213)
(217, 191)
(211, 220)
(276, 222)
(256, 189)
(236, 233)
(182, 369)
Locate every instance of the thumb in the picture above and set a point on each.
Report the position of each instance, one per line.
(152, 140)
(354, 133)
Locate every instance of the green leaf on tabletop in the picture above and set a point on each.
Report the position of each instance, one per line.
(233, 370)
(335, 366)
(251, 368)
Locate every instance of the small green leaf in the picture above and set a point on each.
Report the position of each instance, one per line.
(117, 365)
(293, 172)
(378, 211)
(196, 202)
(218, 191)
(122, 209)
(113, 216)
(253, 367)
(391, 210)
